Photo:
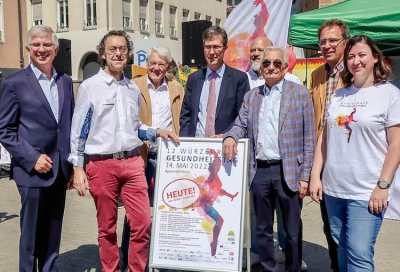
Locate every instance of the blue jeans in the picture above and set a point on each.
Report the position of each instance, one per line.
(355, 229)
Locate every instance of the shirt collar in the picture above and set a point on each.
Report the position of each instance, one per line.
(110, 79)
(220, 71)
(278, 86)
(253, 75)
(337, 68)
(39, 73)
(149, 83)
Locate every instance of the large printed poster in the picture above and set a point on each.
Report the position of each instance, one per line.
(198, 216)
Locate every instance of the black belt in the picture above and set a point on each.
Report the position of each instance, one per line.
(267, 163)
(118, 156)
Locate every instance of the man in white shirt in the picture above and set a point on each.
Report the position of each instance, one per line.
(105, 136)
(161, 105)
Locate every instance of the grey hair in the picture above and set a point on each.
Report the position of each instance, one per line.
(162, 51)
(39, 30)
(271, 48)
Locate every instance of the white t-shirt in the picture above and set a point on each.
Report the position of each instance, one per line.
(356, 139)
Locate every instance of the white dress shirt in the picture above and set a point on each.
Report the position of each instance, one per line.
(268, 128)
(201, 119)
(106, 118)
(161, 114)
(49, 88)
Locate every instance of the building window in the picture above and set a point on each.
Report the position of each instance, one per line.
(217, 22)
(90, 14)
(126, 14)
(62, 15)
(185, 15)
(197, 16)
(158, 13)
(231, 3)
(172, 21)
(144, 27)
(37, 12)
(1, 22)
(208, 18)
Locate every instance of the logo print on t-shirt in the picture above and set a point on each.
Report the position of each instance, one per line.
(344, 121)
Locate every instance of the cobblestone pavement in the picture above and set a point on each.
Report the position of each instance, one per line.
(79, 250)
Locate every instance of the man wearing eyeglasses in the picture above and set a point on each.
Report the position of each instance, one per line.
(161, 101)
(213, 95)
(278, 118)
(36, 106)
(106, 134)
(325, 80)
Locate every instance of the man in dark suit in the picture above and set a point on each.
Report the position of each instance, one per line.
(230, 87)
(278, 118)
(36, 106)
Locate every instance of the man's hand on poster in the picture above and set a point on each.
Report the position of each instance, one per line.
(165, 134)
(229, 148)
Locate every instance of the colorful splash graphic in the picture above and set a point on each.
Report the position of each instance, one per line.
(252, 19)
(345, 121)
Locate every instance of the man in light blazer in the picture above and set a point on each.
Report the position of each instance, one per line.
(278, 118)
(36, 107)
(230, 87)
(161, 101)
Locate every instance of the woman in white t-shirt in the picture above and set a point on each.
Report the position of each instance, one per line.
(358, 154)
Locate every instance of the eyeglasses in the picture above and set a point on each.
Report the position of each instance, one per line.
(113, 50)
(216, 48)
(161, 65)
(277, 64)
(332, 42)
(46, 46)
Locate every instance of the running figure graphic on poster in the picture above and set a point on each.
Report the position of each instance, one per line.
(210, 190)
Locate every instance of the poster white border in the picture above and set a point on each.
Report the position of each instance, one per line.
(170, 256)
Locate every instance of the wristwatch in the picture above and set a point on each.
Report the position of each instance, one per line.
(383, 184)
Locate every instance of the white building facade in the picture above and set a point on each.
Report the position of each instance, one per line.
(148, 22)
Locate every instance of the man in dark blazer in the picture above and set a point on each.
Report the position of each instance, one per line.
(230, 87)
(278, 118)
(36, 106)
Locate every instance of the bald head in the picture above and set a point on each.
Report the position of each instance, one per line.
(256, 49)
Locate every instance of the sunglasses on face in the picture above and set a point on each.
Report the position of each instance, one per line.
(277, 63)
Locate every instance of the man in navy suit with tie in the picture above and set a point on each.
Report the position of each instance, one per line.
(214, 94)
(36, 106)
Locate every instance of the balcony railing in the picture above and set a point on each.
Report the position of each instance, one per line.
(37, 22)
(172, 31)
(127, 23)
(90, 24)
(159, 30)
(143, 25)
(62, 27)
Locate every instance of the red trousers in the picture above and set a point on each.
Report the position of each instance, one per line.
(125, 177)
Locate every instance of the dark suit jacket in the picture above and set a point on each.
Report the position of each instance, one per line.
(296, 131)
(233, 87)
(28, 127)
